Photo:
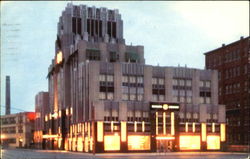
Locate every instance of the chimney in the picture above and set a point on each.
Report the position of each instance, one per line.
(242, 37)
(223, 45)
(7, 96)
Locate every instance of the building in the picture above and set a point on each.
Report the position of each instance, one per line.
(17, 129)
(41, 108)
(104, 98)
(232, 62)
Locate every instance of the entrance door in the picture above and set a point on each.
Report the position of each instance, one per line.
(164, 145)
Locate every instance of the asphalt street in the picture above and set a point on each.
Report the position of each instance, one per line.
(50, 154)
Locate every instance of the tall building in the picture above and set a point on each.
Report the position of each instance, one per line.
(232, 62)
(104, 98)
(17, 130)
(7, 96)
(41, 108)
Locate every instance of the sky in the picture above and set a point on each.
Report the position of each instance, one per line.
(173, 33)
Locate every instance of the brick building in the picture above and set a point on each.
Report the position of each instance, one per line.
(232, 62)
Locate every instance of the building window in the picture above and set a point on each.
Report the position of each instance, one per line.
(110, 96)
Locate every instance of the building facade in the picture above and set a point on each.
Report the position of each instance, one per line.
(104, 98)
(17, 129)
(41, 108)
(232, 62)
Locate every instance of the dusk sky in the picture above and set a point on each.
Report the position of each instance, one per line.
(172, 33)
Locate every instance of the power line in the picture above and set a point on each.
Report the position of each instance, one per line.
(15, 108)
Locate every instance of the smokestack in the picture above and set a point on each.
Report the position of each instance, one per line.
(7, 96)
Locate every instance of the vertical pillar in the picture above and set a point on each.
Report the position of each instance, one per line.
(124, 145)
(172, 123)
(203, 136)
(164, 123)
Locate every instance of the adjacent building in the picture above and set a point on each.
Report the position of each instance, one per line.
(41, 108)
(17, 130)
(104, 98)
(232, 62)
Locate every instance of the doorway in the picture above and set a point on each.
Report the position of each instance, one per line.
(164, 145)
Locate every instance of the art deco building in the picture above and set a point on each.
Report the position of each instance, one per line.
(104, 98)
(232, 62)
(17, 129)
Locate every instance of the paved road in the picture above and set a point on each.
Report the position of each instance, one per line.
(49, 154)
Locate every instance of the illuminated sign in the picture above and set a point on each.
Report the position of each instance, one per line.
(165, 106)
(165, 137)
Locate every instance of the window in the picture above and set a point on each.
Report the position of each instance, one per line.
(125, 79)
(132, 96)
(208, 84)
(140, 97)
(154, 80)
(201, 84)
(188, 82)
(208, 100)
(161, 81)
(161, 97)
(110, 96)
(102, 78)
(189, 99)
(155, 97)
(202, 100)
(139, 79)
(175, 82)
(132, 79)
(110, 78)
(181, 82)
(102, 95)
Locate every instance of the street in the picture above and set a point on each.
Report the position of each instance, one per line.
(49, 154)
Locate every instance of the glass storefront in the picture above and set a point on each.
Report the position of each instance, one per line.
(138, 142)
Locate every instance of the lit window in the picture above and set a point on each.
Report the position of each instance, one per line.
(110, 96)
(112, 143)
(132, 96)
(154, 80)
(213, 142)
(101, 77)
(190, 143)
(138, 142)
(124, 96)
